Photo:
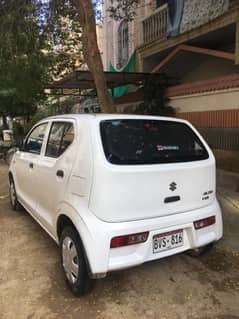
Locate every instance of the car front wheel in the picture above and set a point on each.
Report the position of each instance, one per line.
(13, 195)
(74, 263)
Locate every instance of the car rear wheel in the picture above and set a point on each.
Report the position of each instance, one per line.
(13, 195)
(73, 262)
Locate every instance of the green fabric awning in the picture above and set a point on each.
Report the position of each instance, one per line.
(129, 67)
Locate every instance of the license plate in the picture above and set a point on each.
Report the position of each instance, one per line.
(167, 241)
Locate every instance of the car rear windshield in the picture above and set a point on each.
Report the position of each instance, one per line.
(137, 142)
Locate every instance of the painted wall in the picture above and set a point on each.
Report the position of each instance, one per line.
(109, 37)
(220, 100)
(110, 31)
(99, 34)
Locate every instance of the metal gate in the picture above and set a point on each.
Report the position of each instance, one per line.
(221, 138)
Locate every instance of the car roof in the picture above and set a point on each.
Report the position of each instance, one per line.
(104, 116)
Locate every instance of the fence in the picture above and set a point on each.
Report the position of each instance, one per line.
(221, 138)
(155, 26)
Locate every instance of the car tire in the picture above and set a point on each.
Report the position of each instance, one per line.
(200, 251)
(13, 195)
(73, 262)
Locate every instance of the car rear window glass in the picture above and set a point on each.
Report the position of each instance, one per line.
(60, 137)
(133, 141)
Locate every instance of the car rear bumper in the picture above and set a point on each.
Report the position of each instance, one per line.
(103, 259)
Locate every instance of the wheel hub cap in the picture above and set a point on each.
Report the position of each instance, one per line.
(70, 260)
(12, 193)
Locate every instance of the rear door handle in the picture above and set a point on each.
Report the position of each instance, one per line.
(31, 165)
(60, 173)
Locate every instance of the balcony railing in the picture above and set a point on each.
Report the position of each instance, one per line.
(155, 26)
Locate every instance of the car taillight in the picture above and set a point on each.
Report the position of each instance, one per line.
(201, 223)
(127, 240)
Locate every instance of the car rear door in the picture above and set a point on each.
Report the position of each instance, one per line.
(151, 168)
(25, 165)
(54, 170)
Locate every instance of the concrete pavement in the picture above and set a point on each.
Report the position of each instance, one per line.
(179, 287)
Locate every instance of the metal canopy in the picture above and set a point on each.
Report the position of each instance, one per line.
(83, 80)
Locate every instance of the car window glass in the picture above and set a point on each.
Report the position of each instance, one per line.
(135, 142)
(60, 137)
(34, 141)
(67, 138)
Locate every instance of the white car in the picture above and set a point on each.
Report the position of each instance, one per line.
(116, 191)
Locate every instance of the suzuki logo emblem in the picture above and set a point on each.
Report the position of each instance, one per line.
(173, 186)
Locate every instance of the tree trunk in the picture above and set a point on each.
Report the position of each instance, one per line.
(92, 54)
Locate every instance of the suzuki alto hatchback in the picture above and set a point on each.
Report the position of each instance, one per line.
(115, 191)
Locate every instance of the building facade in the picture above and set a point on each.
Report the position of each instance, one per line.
(160, 25)
(197, 43)
(121, 38)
